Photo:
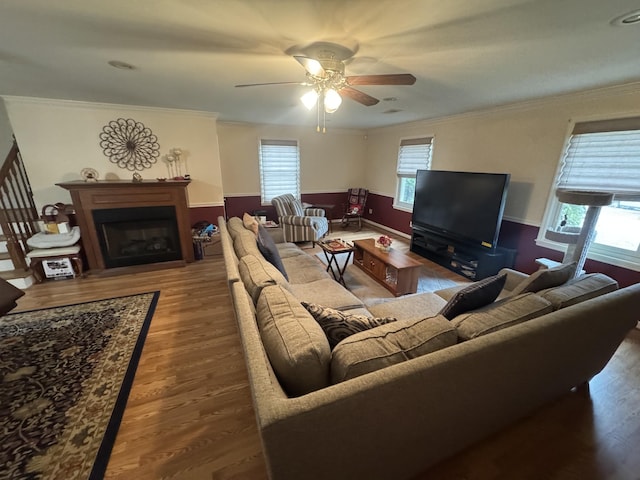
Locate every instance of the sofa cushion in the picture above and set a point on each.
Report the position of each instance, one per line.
(389, 344)
(501, 314)
(295, 344)
(245, 243)
(410, 307)
(339, 325)
(250, 223)
(476, 295)
(579, 289)
(269, 251)
(304, 269)
(546, 278)
(256, 273)
(325, 292)
(234, 225)
(289, 249)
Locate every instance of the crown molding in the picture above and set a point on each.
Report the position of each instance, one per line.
(76, 104)
(569, 97)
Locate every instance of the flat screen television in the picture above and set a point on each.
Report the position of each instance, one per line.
(465, 206)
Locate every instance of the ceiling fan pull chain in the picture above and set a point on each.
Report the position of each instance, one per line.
(324, 115)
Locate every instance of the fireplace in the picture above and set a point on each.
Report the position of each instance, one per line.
(128, 226)
(137, 236)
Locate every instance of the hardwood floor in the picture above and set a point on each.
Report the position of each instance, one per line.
(190, 416)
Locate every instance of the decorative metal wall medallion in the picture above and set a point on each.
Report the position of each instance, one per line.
(129, 144)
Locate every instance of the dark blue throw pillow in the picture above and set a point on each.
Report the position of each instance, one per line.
(267, 247)
(476, 295)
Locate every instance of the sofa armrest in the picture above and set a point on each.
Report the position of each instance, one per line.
(8, 296)
(514, 277)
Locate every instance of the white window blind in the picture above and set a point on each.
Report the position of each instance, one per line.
(414, 155)
(279, 169)
(603, 156)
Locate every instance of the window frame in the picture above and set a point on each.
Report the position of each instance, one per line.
(599, 252)
(265, 190)
(404, 142)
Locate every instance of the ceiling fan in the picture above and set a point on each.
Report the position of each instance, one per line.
(328, 82)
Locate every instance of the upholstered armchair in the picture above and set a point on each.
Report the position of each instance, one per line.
(299, 224)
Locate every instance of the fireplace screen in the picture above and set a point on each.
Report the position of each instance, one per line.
(137, 236)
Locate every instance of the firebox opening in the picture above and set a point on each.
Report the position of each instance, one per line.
(137, 236)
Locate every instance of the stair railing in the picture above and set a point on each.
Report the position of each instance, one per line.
(18, 215)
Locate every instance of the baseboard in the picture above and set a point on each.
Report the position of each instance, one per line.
(384, 227)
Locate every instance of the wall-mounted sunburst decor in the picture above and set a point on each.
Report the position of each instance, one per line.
(129, 144)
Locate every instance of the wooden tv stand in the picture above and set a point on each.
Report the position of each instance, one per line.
(394, 270)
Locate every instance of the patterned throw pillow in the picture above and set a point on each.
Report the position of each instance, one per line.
(338, 325)
(476, 295)
(355, 209)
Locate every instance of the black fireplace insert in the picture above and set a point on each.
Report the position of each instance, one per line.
(137, 236)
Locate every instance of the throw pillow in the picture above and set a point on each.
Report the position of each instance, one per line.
(355, 209)
(296, 207)
(250, 223)
(295, 344)
(546, 278)
(269, 251)
(476, 295)
(338, 325)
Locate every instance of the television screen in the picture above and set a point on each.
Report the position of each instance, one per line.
(465, 205)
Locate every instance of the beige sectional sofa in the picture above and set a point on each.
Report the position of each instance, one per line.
(389, 402)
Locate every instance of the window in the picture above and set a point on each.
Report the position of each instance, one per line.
(414, 154)
(602, 156)
(279, 169)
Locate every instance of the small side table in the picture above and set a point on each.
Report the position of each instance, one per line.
(331, 249)
(329, 212)
(39, 255)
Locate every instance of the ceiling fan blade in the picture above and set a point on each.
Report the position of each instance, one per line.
(391, 79)
(271, 83)
(311, 65)
(358, 96)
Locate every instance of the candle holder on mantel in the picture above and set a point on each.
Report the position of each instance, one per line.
(174, 161)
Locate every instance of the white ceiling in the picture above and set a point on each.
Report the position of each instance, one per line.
(465, 54)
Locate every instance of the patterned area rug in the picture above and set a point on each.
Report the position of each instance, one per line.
(65, 375)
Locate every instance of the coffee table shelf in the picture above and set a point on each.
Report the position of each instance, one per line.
(394, 270)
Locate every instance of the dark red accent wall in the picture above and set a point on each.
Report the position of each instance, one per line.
(384, 213)
(512, 234)
(205, 214)
(237, 206)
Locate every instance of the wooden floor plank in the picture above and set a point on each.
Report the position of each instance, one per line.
(190, 415)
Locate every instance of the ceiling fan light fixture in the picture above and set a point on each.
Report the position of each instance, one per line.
(630, 18)
(310, 99)
(314, 67)
(332, 100)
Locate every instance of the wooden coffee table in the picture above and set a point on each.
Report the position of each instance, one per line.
(394, 270)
